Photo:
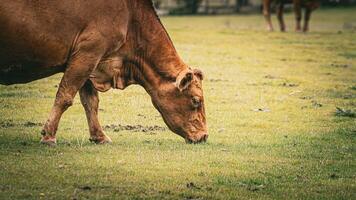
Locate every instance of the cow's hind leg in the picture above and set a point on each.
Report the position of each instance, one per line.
(309, 8)
(85, 57)
(280, 9)
(90, 101)
(267, 14)
(298, 14)
(306, 19)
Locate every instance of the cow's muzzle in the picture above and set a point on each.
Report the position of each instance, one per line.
(201, 139)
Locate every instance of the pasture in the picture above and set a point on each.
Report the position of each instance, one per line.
(271, 104)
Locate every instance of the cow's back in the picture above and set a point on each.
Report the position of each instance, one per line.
(36, 36)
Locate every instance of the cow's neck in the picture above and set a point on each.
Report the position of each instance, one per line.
(153, 57)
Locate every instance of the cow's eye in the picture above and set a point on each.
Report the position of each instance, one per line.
(196, 102)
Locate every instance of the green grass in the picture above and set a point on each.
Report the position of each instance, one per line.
(271, 100)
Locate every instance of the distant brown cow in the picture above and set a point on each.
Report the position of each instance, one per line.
(99, 45)
(309, 6)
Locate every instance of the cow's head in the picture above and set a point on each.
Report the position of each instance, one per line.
(181, 104)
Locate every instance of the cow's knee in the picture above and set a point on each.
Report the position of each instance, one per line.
(66, 103)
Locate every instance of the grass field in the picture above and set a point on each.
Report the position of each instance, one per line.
(271, 98)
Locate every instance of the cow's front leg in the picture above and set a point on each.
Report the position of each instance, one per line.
(280, 9)
(72, 80)
(267, 14)
(298, 15)
(85, 57)
(90, 101)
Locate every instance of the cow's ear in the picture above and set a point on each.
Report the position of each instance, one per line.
(184, 80)
(198, 73)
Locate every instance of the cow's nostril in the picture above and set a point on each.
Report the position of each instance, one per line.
(188, 141)
(204, 138)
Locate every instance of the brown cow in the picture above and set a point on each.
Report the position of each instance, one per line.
(309, 6)
(99, 44)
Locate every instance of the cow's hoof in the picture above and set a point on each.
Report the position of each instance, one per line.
(101, 140)
(49, 140)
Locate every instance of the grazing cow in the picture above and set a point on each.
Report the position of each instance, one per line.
(99, 45)
(309, 6)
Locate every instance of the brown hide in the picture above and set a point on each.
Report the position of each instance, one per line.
(38, 38)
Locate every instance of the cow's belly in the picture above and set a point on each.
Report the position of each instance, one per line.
(25, 59)
(25, 62)
(26, 72)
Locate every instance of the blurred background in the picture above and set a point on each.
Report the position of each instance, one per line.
(191, 7)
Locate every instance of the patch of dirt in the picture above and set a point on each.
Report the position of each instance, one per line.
(24, 143)
(271, 77)
(134, 128)
(306, 97)
(339, 65)
(261, 110)
(285, 84)
(284, 59)
(315, 104)
(9, 123)
(311, 60)
(6, 124)
(340, 112)
(85, 187)
(32, 124)
(191, 185)
(334, 176)
(141, 115)
(348, 96)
